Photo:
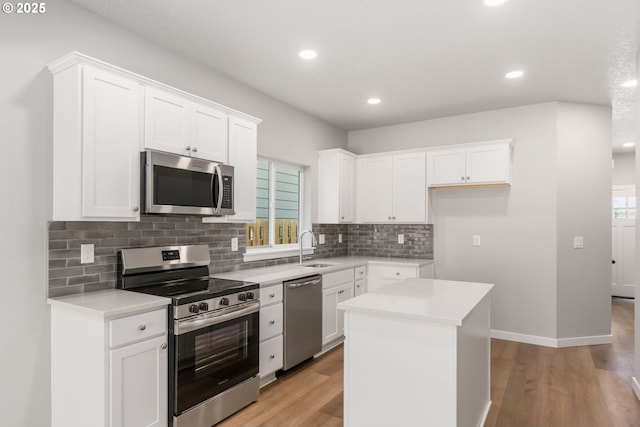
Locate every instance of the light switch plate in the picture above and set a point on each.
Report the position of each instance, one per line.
(86, 253)
(321, 238)
(476, 240)
(578, 242)
(401, 239)
(339, 237)
(234, 244)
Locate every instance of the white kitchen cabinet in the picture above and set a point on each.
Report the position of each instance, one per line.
(271, 327)
(106, 371)
(96, 142)
(337, 286)
(476, 164)
(360, 280)
(176, 124)
(243, 156)
(392, 188)
(379, 275)
(336, 186)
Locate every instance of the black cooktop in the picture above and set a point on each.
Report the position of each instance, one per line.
(197, 289)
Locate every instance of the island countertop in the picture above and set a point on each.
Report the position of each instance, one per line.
(440, 301)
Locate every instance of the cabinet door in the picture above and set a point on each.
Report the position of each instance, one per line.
(346, 187)
(409, 188)
(360, 287)
(271, 355)
(243, 156)
(375, 186)
(208, 133)
(111, 112)
(166, 122)
(446, 167)
(138, 392)
(487, 164)
(346, 292)
(270, 321)
(330, 326)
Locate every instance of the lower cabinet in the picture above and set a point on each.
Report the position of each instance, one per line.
(337, 286)
(271, 327)
(361, 280)
(384, 274)
(109, 372)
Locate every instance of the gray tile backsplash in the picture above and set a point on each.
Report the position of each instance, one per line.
(68, 276)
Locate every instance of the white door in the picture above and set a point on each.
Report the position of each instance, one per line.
(166, 122)
(208, 133)
(110, 146)
(446, 167)
(375, 189)
(139, 385)
(488, 164)
(409, 188)
(243, 156)
(623, 241)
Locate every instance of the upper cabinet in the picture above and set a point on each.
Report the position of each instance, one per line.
(392, 188)
(336, 186)
(476, 164)
(104, 116)
(178, 125)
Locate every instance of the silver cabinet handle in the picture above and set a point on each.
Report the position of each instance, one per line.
(188, 148)
(272, 322)
(272, 356)
(462, 178)
(272, 295)
(389, 217)
(135, 209)
(163, 346)
(393, 217)
(142, 327)
(468, 178)
(357, 286)
(194, 149)
(397, 273)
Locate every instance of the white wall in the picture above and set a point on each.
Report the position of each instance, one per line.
(517, 224)
(28, 44)
(624, 169)
(584, 209)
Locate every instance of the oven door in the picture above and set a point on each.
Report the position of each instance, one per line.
(213, 353)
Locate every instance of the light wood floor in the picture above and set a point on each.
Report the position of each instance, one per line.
(530, 386)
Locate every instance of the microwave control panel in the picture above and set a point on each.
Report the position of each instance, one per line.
(227, 192)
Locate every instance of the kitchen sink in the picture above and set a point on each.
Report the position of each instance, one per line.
(317, 265)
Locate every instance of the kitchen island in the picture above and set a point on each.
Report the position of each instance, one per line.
(417, 353)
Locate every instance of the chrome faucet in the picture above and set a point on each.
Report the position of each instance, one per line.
(313, 241)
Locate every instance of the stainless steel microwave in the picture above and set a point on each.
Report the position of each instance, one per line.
(173, 184)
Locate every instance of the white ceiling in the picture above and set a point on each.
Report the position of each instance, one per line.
(424, 58)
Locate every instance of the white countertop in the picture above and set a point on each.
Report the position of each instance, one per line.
(432, 300)
(277, 273)
(110, 303)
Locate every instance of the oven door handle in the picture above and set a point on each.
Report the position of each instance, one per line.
(184, 326)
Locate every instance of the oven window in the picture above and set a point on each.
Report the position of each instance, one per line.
(180, 187)
(215, 358)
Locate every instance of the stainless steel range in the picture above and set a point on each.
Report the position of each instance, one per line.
(213, 331)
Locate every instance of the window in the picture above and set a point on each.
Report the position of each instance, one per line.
(278, 206)
(624, 202)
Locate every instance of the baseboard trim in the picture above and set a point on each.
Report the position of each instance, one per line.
(636, 387)
(485, 414)
(551, 342)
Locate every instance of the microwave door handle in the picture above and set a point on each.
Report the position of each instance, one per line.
(220, 190)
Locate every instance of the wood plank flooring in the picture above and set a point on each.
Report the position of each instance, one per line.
(530, 386)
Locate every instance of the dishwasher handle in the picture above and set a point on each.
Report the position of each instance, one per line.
(305, 283)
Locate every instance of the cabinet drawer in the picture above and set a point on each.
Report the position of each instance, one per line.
(393, 272)
(360, 287)
(336, 278)
(270, 321)
(360, 272)
(138, 327)
(271, 295)
(271, 356)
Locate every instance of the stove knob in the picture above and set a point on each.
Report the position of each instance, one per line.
(204, 306)
(250, 295)
(242, 297)
(224, 301)
(193, 308)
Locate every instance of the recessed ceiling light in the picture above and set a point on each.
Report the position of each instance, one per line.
(492, 3)
(514, 74)
(307, 54)
(629, 144)
(630, 83)
(374, 101)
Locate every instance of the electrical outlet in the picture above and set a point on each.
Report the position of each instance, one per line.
(578, 242)
(476, 240)
(339, 237)
(234, 244)
(401, 239)
(86, 253)
(321, 239)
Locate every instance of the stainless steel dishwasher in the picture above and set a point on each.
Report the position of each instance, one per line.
(302, 319)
